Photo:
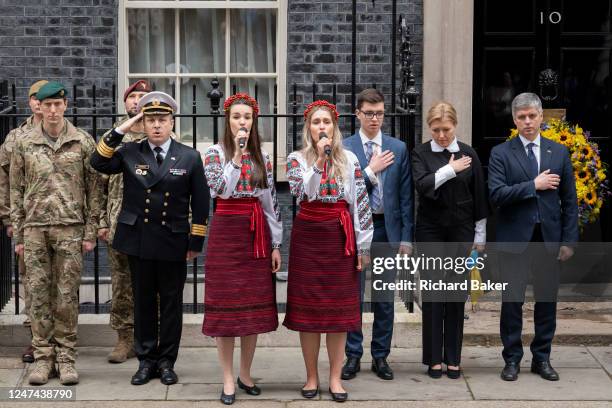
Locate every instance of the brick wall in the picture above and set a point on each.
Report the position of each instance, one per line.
(319, 48)
(72, 41)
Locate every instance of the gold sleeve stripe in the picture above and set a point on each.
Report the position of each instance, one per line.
(199, 230)
(104, 150)
(105, 153)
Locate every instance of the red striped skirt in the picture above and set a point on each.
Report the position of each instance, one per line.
(323, 285)
(239, 292)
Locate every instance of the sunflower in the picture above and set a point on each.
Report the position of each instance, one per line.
(591, 197)
(586, 151)
(582, 175)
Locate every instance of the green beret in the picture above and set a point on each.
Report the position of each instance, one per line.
(51, 90)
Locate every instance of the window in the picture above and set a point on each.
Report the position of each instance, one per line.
(179, 44)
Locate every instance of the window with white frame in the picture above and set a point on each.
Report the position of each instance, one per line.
(179, 44)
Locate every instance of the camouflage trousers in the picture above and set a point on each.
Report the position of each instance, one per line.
(122, 306)
(54, 260)
(26, 289)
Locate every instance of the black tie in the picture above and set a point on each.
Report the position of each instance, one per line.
(533, 162)
(158, 155)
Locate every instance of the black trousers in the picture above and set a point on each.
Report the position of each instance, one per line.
(515, 269)
(158, 309)
(443, 319)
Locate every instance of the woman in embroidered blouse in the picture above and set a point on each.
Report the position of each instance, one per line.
(243, 244)
(330, 242)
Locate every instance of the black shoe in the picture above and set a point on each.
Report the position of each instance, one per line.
(434, 372)
(227, 399)
(382, 369)
(28, 354)
(339, 396)
(310, 393)
(510, 372)
(251, 390)
(143, 375)
(453, 374)
(545, 370)
(351, 368)
(167, 376)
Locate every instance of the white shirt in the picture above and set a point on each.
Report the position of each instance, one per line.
(536, 149)
(374, 177)
(446, 173)
(165, 147)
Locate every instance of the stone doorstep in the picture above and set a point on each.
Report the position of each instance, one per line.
(481, 328)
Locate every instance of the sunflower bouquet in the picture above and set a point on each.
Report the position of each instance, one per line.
(589, 170)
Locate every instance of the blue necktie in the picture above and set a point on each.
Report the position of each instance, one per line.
(533, 162)
(375, 195)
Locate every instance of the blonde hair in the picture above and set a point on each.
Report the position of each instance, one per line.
(440, 111)
(339, 163)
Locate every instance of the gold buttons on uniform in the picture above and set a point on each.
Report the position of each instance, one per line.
(146, 210)
(146, 220)
(165, 204)
(163, 222)
(164, 213)
(167, 194)
(147, 201)
(149, 191)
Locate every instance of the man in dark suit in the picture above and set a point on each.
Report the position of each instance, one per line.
(162, 179)
(531, 182)
(386, 165)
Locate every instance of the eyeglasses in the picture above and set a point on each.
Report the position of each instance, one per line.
(370, 115)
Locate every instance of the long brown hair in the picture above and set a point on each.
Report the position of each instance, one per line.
(259, 177)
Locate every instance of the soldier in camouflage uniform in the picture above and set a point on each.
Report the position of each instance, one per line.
(5, 205)
(56, 199)
(122, 305)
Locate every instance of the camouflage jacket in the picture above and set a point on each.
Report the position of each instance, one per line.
(5, 160)
(54, 185)
(114, 191)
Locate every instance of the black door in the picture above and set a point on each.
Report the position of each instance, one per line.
(558, 49)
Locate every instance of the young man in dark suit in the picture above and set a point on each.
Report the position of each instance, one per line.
(388, 178)
(531, 182)
(162, 179)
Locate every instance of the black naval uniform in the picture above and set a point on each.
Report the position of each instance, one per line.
(153, 230)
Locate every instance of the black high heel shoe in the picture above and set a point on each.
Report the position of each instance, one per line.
(251, 390)
(310, 393)
(339, 396)
(453, 374)
(227, 399)
(434, 372)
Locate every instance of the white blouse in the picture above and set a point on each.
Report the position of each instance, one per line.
(305, 183)
(223, 176)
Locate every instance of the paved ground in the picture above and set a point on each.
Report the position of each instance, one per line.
(585, 381)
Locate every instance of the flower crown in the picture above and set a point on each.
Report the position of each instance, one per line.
(241, 97)
(321, 103)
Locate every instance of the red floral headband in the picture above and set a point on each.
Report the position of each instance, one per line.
(241, 97)
(320, 103)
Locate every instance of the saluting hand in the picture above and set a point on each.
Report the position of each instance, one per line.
(127, 125)
(460, 164)
(276, 260)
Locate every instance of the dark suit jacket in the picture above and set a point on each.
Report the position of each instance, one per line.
(398, 201)
(513, 192)
(154, 218)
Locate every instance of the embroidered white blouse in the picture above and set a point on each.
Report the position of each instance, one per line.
(223, 178)
(305, 184)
